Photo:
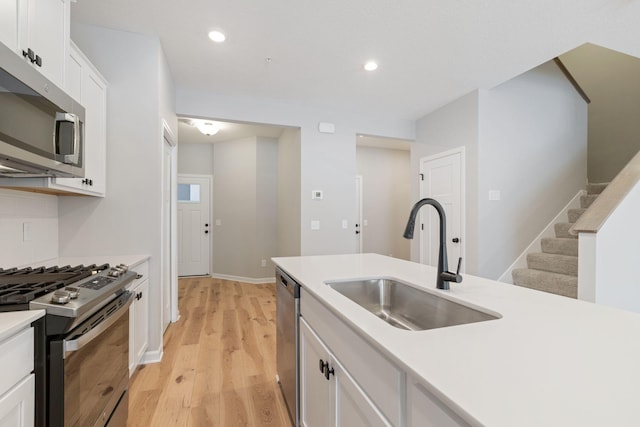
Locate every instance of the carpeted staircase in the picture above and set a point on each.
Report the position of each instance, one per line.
(555, 269)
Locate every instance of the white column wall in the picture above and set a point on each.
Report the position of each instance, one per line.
(614, 251)
(128, 220)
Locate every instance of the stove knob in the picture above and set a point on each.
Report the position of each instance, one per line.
(60, 297)
(73, 292)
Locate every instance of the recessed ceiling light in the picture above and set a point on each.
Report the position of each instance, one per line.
(217, 36)
(370, 66)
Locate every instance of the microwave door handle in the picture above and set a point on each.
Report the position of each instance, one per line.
(75, 345)
(71, 118)
(76, 140)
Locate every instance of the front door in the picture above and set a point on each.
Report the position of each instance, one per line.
(442, 181)
(194, 225)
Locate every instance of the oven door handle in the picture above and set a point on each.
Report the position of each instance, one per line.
(77, 344)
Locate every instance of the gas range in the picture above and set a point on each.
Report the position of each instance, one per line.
(71, 292)
(81, 345)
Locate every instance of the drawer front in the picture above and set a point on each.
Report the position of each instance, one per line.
(380, 379)
(17, 407)
(16, 359)
(142, 270)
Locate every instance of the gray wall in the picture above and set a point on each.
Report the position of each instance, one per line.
(289, 193)
(525, 138)
(533, 149)
(385, 200)
(128, 220)
(245, 191)
(612, 81)
(195, 159)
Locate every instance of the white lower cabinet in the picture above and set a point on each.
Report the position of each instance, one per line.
(17, 382)
(329, 396)
(139, 317)
(365, 387)
(17, 406)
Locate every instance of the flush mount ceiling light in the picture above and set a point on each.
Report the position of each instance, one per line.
(207, 128)
(370, 66)
(217, 36)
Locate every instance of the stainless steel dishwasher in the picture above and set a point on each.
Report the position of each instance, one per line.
(287, 313)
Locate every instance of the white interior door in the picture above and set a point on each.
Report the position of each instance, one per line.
(442, 180)
(194, 225)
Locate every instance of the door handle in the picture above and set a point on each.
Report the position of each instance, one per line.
(455, 240)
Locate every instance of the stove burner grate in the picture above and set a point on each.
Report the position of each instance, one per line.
(19, 286)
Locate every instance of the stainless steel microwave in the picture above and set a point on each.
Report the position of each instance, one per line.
(41, 127)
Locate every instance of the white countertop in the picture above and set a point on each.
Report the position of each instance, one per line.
(14, 321)
(548, 361)
(129, 260)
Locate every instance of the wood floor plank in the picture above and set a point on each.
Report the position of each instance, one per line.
(218, 367)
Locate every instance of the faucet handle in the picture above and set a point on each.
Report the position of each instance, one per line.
(448, 276)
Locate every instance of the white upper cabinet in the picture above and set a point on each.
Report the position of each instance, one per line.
(9, 23)
(37, 30)
(86, 85)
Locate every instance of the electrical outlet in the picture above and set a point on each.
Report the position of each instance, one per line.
(263, 263)
(26, 231)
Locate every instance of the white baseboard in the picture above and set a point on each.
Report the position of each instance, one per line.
(153, 356)
(549, 231)
(254, 281)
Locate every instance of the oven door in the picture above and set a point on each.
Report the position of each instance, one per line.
(89, 373)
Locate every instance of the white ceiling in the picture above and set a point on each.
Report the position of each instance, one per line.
(228, 132)
(430, 52)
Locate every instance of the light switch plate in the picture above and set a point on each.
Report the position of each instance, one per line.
(315, 225)
(494, 195)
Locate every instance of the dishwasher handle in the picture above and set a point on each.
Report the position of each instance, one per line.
(289, 285)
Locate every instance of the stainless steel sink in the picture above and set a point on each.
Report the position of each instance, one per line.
(406, 307)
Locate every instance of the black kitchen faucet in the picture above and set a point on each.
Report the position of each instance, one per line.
(444, 275)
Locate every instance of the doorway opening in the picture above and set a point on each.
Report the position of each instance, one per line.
(254, 199)
(383, 165)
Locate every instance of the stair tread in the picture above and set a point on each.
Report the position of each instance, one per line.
(596, 187)
(554, 263)
(560, 284)
(574, 214)
(562, 230)
(587, 200)
(559, 245)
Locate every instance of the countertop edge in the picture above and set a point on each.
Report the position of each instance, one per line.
(14, 321)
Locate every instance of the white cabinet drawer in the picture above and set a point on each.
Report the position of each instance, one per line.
(17, 407)
(16, 359)
(143, 273)
(381, 380)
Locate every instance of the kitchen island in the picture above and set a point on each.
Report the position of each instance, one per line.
(546, 361)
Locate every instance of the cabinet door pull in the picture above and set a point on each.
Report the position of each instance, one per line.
(323, 365)
(328, 372)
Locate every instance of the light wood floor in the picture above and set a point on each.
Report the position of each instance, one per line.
(219, 362)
